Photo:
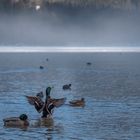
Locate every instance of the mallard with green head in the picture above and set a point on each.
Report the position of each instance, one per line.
(21, 121)
(39, 104)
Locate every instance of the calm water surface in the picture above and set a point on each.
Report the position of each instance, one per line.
(110, 86)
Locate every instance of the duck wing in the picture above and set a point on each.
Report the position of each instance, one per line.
(74, 101)
(33, 99)
(11, 119)
(36, 102)
(30, 99)
(58, 102)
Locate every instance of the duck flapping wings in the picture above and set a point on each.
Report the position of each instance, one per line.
(39, 104)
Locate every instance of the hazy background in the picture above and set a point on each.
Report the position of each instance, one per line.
(60, 24)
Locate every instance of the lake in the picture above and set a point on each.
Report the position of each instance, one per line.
(110, 86)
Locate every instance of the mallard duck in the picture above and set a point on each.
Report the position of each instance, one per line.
(47, 106)
(80, 102)
(37, 101)
(20, 121)
(65, 87)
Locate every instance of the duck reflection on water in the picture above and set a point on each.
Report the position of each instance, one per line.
(47, 122)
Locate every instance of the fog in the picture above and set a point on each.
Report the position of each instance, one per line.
(100, 28)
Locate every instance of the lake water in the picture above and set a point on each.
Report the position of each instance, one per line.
(110, 86)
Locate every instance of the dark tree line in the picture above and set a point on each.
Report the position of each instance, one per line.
(7, 5)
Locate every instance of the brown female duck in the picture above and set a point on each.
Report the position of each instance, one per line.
(80, 102)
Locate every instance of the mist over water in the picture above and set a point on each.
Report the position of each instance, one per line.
(64, 28)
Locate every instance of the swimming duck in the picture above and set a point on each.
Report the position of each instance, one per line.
(80, 102)
(41, 67)
(65, 87)
(89, 63)
(20, 121)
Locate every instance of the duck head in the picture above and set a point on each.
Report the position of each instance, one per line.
(23, 117)
(69, 85)
(40, 94)
(48, 90)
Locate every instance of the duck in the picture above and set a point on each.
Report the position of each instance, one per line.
(89, 63)
(39, 104)
(41, 67)
(21, 121)
(80, 102)
(40, 95)
(66, 87)
(37, 101)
